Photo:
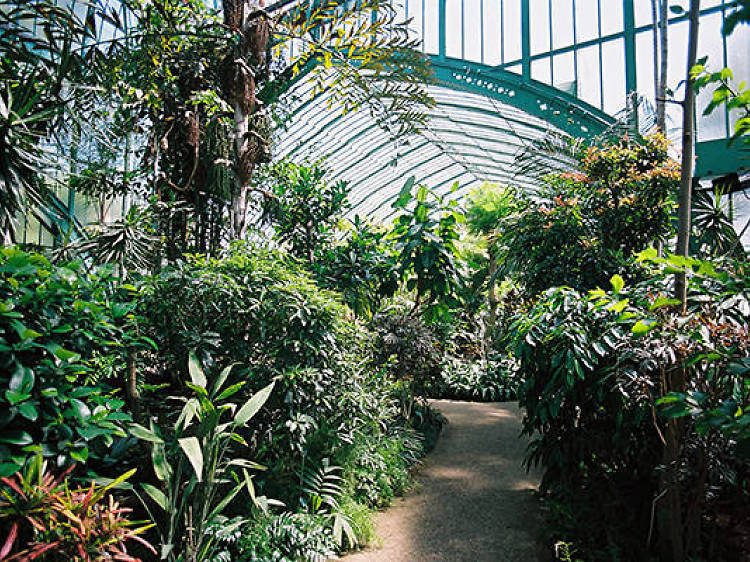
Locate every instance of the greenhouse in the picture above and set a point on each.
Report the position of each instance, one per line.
(378, 280)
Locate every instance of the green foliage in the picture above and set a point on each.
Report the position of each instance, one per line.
(736, 98)
(377, 468)
(288, 537)
(302, 206)
(49, 519)
(191, 460)
(489, 204)
(363, 267)
(42, 69)
(594, 366)
(426, 233)
(365, 56)
(58, 327)
(406, 346)
(714, 234)
(252, 306)
(588, 224)
(460, 379)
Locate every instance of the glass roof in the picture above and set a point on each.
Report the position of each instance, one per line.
(509, 72)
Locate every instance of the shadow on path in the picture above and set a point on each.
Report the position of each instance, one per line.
(473, 502)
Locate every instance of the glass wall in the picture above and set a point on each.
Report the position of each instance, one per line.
(597, 50)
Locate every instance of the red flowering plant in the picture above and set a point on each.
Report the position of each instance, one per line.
(46, 519)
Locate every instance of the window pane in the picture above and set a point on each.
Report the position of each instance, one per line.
(562, 23)
(539, 23)
(431, 31)
(710, 44)
(564, 72)
(587, 20)
(511, 30)
(492, 32)
(611, 17)
(453, 29)
(589, 86)
(540, 70)
(472, 30)
(613, 77)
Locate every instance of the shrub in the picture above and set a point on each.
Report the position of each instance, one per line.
(251, 306)
(45, 518)
(472, 380)
(587, 224)
(288, 537)
(595, 368)
(63, 335)
(362, 267)
(406, 345)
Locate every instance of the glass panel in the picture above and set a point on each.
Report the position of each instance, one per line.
(611, 17)
(431, 29)
(562, 23)
(539, 23)
(587, 20)
(710, 44)
(613, 78)
(540, 70)
(515, 69)
(589, 82)
(643, 12)
(564, 73)
(414, 12)
(738, 59)
(676, 69)
(511, 30)
(473, 30)
(492, 16)
(453, 29)
(644, 63)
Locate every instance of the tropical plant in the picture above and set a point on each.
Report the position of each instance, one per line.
(714, 233)
(425, 234)
(586, 225)
(303, 207)
(253, 306)
(64, 338)
(47, 70)
(192, 462)
(49, 520)
(362, 267)
(594, 368)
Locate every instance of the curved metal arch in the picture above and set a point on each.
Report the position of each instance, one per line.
(558, 108)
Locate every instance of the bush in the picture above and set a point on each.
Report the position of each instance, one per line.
(63, 337)
(497, 381)
(406, 345)
(288, 537)
(587, 224)
(595, 368)
(252, 306)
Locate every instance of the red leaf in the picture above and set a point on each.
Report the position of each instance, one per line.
(10, 540)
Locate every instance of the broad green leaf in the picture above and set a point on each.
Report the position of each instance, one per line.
(159, 459)
(251, 407)
(643, 327)
(197, 376)
(222, 377)
(157, 495)
(192, 449)
(144, 434)
(617, 283)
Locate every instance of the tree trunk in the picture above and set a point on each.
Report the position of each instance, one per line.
(688, 146)
(661, 87)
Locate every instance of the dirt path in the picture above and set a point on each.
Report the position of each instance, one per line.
(474, 501)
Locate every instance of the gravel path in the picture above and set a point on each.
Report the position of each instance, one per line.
(473, 502)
